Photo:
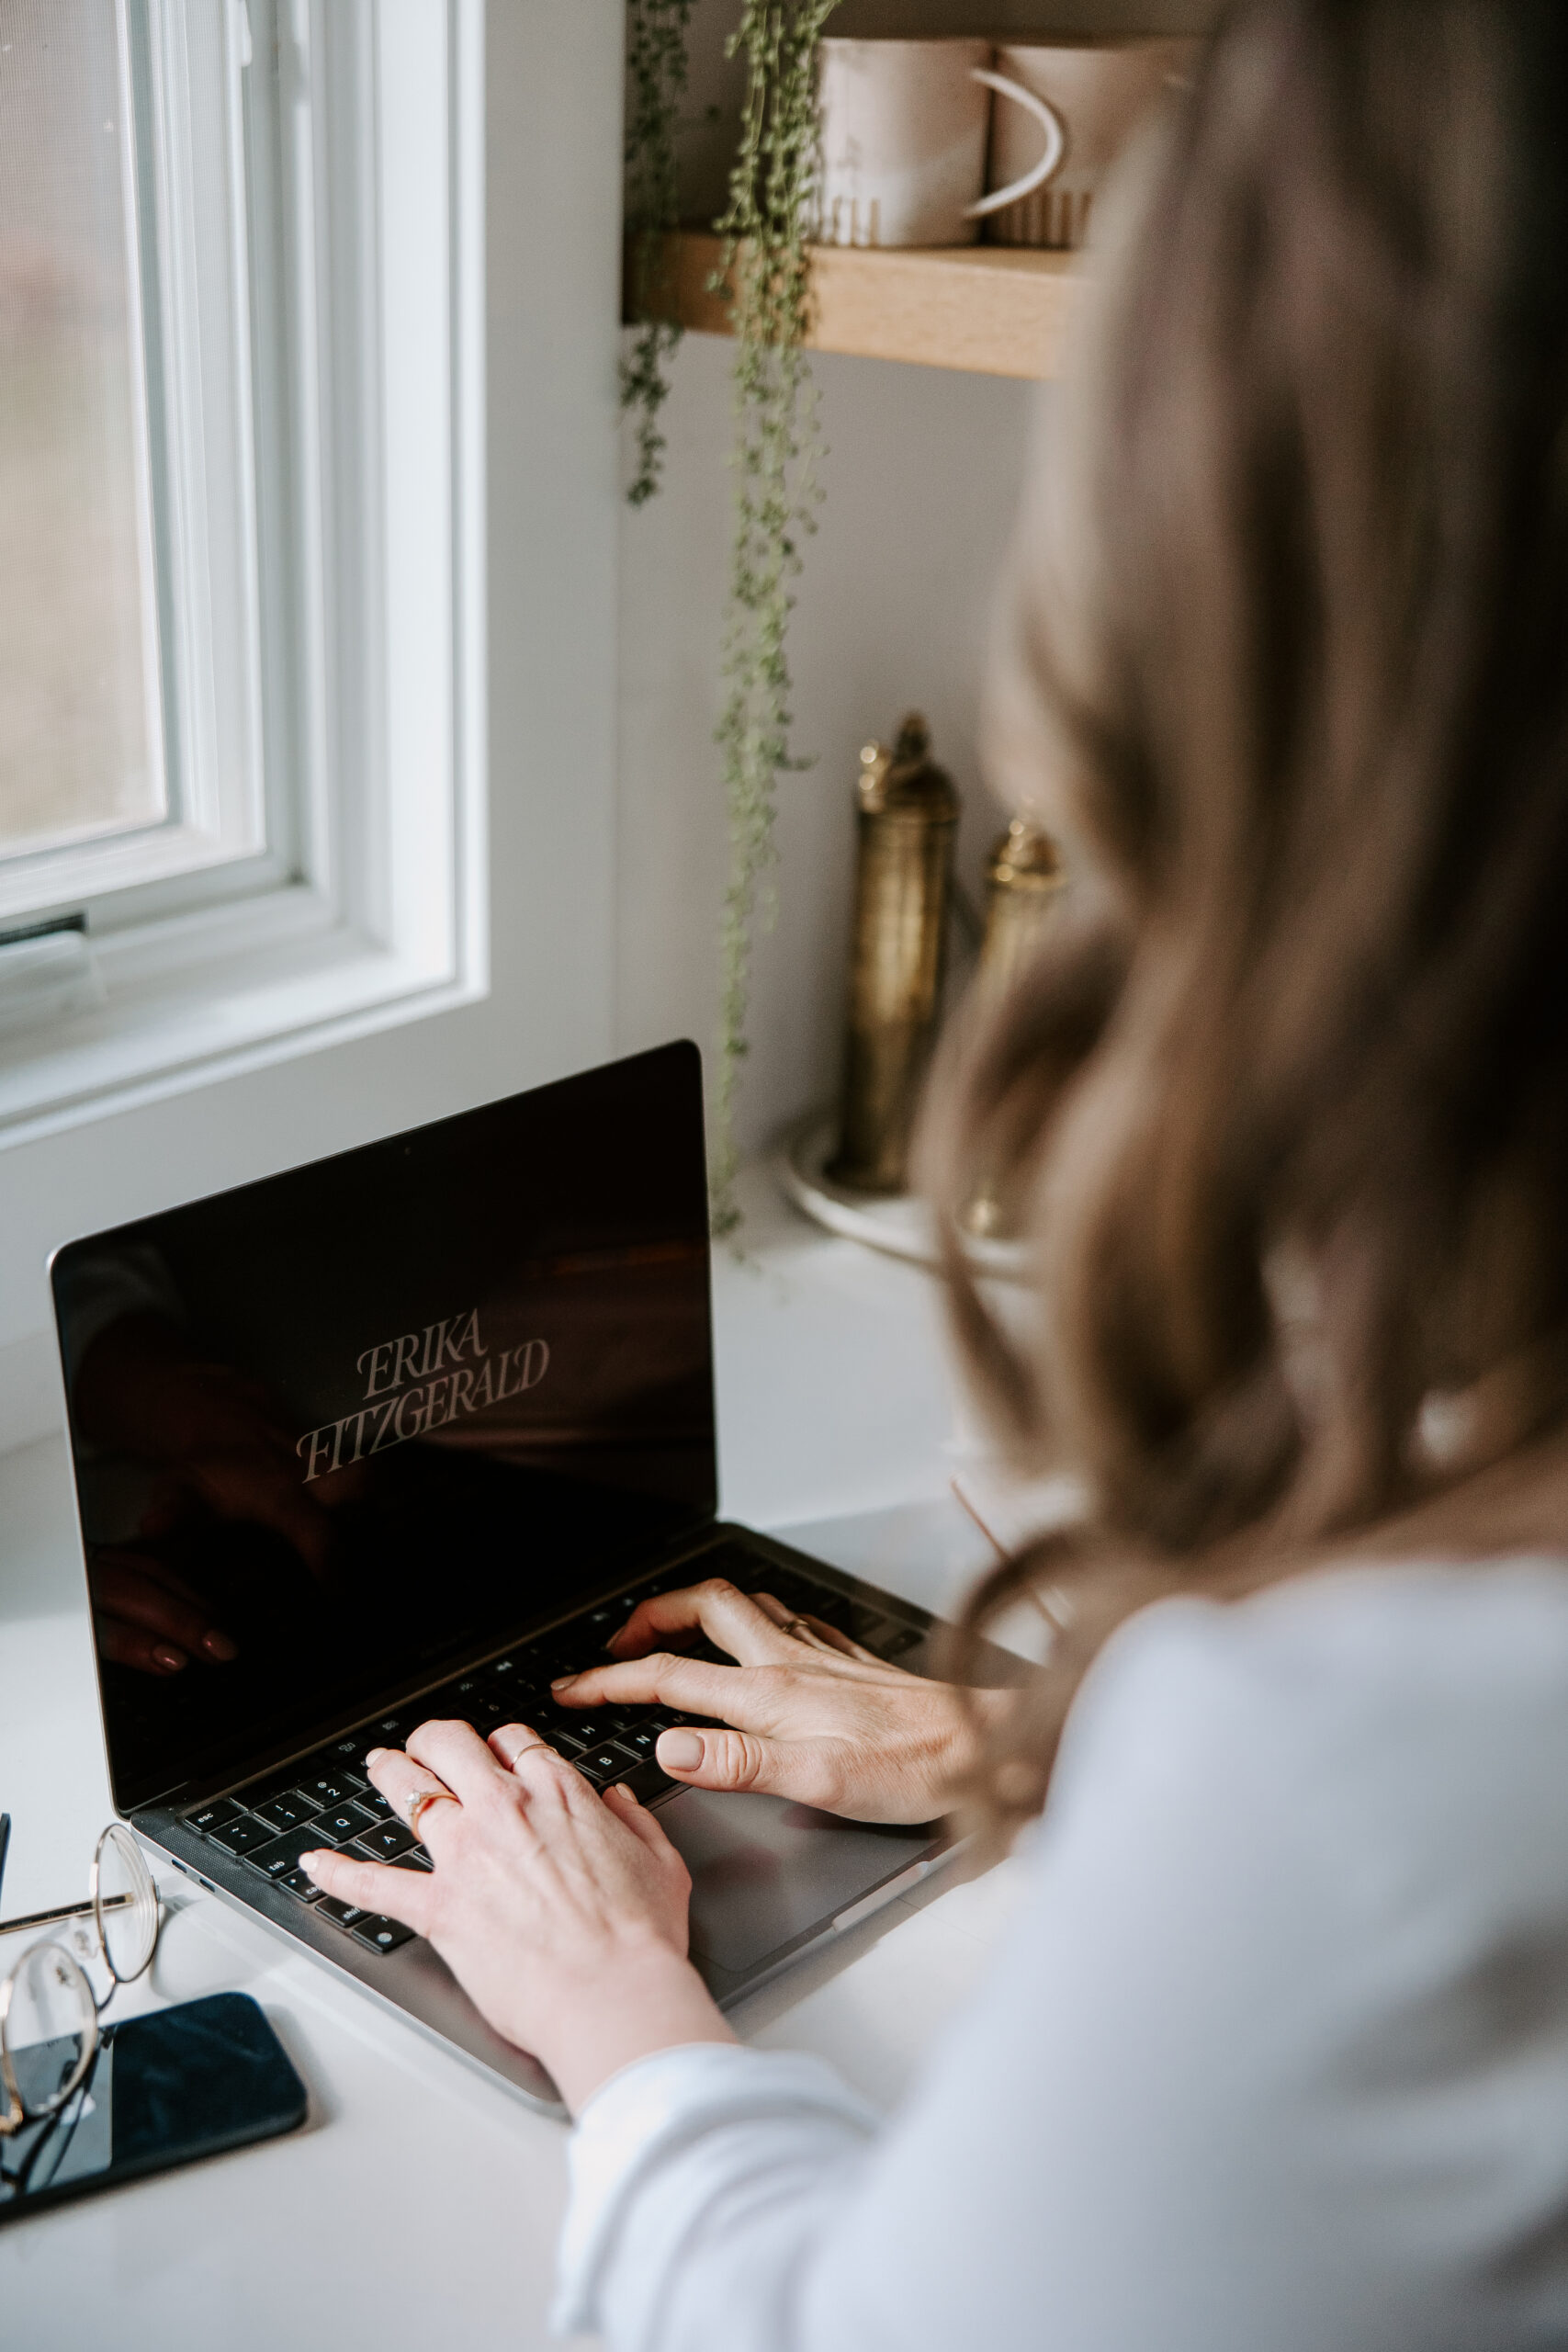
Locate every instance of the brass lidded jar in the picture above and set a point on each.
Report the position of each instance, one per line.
(1024, 878)
(907, 817)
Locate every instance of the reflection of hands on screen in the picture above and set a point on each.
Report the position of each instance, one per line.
(148, 1617)
(220, 1450)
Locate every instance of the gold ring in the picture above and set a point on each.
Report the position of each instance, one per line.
(420, 1801)
(799, 1627)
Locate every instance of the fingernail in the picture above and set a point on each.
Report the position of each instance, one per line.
(220, 1647)
(562, 1681)
(170, 1660)
(309, 1861)
(678, 1751)
(372, 1753)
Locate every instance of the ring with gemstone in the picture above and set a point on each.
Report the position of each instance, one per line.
(420, 1801)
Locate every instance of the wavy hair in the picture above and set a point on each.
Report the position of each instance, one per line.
(1284, 1102)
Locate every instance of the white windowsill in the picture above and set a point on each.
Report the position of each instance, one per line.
(211, 994)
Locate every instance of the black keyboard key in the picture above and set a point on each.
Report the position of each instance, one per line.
(348, 1752)
(342, 1914)
(337, 1828)
(209, 1817)
(576, 1722)
(901, 1639)
(641, 1740)
(604, 1765)
(371, 1800)
(415, 1859)
(542, 1661)
(506, 1669)
(281, 1855)
(305, 1888)
(391, 1731)
(238, 1837)
(325, 1789)
(387, 1840)
(567, 1744)
(287, 1812)
(380, 1934)
(597, 1628)
(648, 1782)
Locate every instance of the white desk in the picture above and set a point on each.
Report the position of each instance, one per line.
(420, 2205)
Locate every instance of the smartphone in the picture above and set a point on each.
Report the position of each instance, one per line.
(180, 2083)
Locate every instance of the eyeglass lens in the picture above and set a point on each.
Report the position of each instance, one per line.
(125, 1903)
(49, 2028)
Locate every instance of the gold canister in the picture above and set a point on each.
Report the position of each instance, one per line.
(1023, 878)
(908, 813)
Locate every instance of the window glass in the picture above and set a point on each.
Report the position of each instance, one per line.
(78, 753)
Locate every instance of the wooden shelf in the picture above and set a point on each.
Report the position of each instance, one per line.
(994, 310)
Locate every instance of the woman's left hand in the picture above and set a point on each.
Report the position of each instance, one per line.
(561, 1913)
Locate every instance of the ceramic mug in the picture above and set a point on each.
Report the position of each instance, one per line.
(1100, 91)
(904, 127)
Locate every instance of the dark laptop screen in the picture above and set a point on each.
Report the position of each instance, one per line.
(370, 1415)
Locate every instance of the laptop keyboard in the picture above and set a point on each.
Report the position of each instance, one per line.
(327, 1800)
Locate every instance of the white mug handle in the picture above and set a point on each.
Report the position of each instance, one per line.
(1050, 123)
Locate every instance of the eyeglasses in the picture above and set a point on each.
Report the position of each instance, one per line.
(49, 2007)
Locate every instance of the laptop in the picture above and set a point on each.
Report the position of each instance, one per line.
(415, 1427)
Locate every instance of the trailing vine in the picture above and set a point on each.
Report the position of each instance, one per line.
(766, 228)
(656, 73)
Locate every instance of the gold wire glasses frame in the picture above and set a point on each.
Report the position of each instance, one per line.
(49, 1985)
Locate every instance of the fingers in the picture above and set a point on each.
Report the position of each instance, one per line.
(729, 1618)
(150, 1618)
(639, 1820)
(407, 1895)
(720, 1759)
(695, 1686)
(459, 1759)
(532, 1761)
(815, 1632)
(400, 1779)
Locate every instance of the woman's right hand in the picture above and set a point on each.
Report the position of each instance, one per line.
(816, 1717)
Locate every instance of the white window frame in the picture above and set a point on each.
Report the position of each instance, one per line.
(532, 95)
(330, 809)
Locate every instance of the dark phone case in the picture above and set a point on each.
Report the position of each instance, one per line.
(189, 2081)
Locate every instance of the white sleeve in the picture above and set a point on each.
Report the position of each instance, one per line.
(671, 2153)
(1242, 2074)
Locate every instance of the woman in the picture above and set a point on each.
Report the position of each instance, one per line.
(1275, 2052)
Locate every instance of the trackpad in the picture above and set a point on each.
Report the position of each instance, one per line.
(764, 1871)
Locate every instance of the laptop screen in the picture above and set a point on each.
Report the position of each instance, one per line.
(386, 1411)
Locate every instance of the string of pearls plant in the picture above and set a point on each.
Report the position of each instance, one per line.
(656, 84)
(766, 227)
(773, 189)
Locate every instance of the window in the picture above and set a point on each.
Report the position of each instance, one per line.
(442, 186)
(232, 767)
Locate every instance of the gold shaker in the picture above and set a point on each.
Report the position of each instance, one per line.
(1023, 876)
(909, 814)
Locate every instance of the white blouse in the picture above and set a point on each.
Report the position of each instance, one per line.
(1274, 2056)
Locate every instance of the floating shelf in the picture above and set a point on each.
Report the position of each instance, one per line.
(994, 310)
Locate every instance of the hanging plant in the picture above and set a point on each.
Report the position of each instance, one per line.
(656, 75)
(766, 228)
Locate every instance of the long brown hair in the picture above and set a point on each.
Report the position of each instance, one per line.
(1285, 1098)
